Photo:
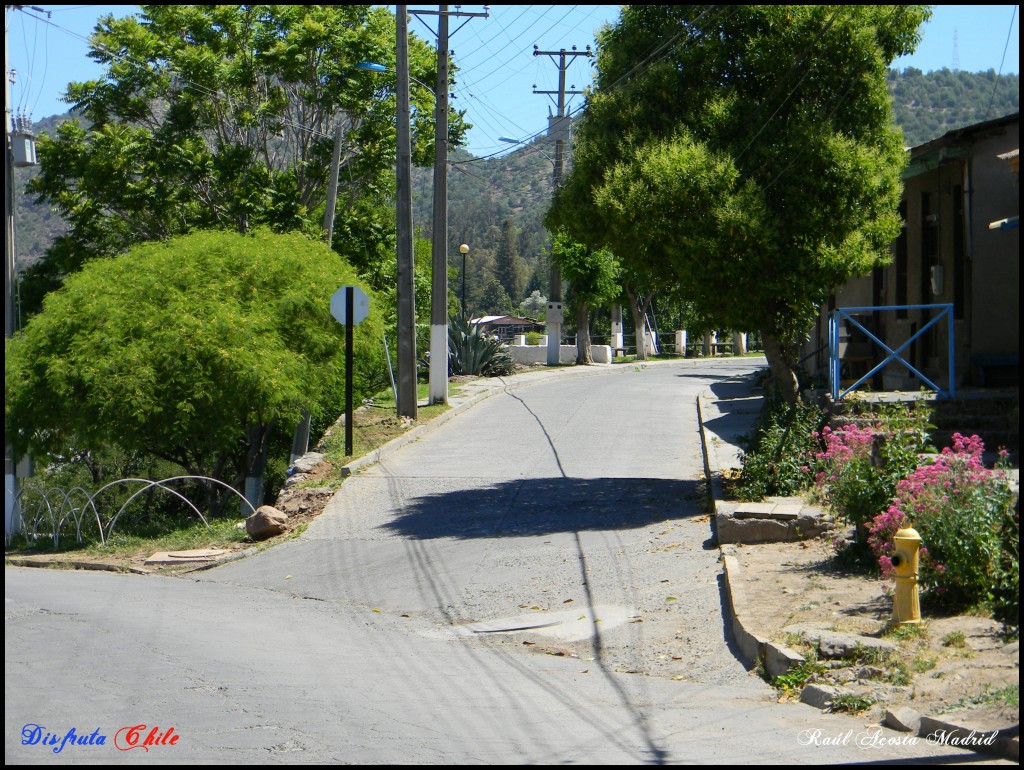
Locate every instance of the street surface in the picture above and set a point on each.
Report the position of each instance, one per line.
(533, 582)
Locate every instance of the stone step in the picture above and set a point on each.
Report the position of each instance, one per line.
(771, 521)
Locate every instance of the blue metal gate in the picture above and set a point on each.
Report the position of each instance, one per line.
(845, 313)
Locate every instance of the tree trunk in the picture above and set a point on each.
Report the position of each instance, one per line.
(781, 367)
(583, 352)
(638, 323)
(255, 462)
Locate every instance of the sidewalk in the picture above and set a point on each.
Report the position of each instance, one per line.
(727, 412)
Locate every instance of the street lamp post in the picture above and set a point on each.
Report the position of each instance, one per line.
(464, 249)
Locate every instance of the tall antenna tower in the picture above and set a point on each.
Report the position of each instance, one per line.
(956, 52)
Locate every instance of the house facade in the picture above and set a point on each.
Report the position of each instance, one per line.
(507, 327)
(959, 247)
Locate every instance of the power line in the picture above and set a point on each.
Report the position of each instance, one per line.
(647, 61)
(995, 85)
(480, 83)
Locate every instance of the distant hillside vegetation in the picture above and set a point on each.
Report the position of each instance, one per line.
(36, 226)
(928, 106)
(485, 193)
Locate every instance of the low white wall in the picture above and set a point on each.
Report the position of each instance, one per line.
(532, 355)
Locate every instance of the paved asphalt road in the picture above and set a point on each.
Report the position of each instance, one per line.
(531, 583)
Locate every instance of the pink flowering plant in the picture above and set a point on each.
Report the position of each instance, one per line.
(845, 473)
(857, 468)
(965, 516)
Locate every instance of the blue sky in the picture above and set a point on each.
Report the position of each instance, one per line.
(498, 70)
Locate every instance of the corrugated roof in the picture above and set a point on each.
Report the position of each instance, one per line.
(509, 319)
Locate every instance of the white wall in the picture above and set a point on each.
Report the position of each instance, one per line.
(531, 355)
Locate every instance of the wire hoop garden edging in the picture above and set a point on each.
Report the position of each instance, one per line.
(58, 508)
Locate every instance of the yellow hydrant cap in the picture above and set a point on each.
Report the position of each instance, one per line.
(907, 533)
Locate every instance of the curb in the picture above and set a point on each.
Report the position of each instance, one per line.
(778, 659)
(23, 561)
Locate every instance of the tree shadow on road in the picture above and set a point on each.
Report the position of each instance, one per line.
(525, 507)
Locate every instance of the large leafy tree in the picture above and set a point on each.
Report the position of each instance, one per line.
(189, 350)
(745, 155)
(593, 278)
(224, 116)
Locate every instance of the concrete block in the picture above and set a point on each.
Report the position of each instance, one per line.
(999, 742)
(902, 718)
(836, 644)
(749, 531)
(748, 510)
(787, 509)
(308, 462)
(779, 660)
(750, 645)
(819, 696)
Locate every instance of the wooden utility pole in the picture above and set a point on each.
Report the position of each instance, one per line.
(439, 246)
(558, 128)
(439, 242)
(407, 396)
(10, 478)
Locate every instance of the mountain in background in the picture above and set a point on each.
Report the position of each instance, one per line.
(928, 106)
(486, 193)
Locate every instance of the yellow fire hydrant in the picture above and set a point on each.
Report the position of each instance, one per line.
(906, 608)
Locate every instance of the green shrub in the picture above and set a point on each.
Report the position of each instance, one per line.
(194, 350)
(849, 703)
(794, 680)
(1006, 583)
(774, 456)
(954, 639)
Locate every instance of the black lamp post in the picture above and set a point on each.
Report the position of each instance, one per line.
(465, 250)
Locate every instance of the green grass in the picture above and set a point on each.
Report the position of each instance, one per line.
(852, 704)
(793, 680)
(906, 631)
(1005, 696)
(123, 547)
(220, 533)
(632, 359)
(954, 639)
(377, 425)
(924, 663)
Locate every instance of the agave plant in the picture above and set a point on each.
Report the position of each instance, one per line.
(470, 352)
